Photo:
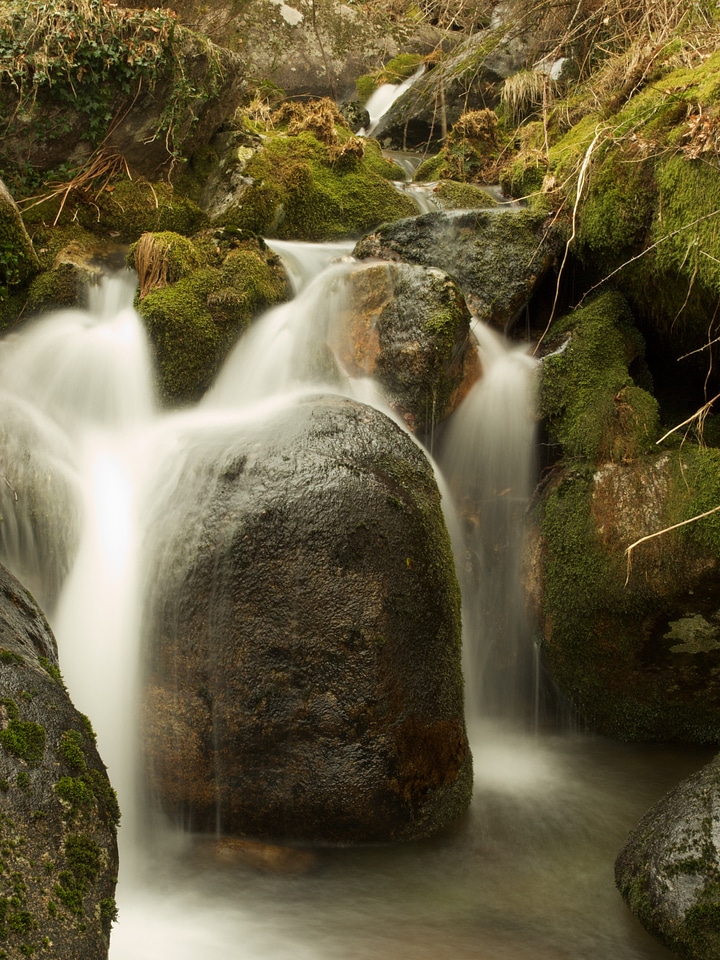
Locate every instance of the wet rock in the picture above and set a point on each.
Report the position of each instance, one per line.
(303, 645)
(668, 871)
(496, 257)
(59, 812)
(409, 328)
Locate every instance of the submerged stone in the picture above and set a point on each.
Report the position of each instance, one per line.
(303, 641)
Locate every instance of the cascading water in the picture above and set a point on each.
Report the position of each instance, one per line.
(488, 458)
(527, 874)
(384, 97)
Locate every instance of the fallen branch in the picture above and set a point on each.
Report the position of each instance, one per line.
(659, 533)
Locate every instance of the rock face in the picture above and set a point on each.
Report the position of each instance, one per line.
(668, 870)
(497, 257)
(409, 328)
(59, 812)
(304, 675)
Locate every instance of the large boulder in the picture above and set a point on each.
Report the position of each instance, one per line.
(497, 257)
(303, 643)
(305, 48)
(668, 872)
(59, 812)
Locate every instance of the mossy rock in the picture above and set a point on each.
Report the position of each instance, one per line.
(634, 641)
(219, 286)
(59, 813)
(590, 405)
(463, 196)
(669, 868)
(302, 189)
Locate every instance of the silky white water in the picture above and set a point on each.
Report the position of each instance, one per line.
(526, 874)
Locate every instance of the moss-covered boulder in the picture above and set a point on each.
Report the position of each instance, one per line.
(668, 872)
(59, 813)
(310, 180)
(303, 633)
(195, 299)
(103, 89)
(409, 328)
(631, 640)
(496, 257)
(591, 407)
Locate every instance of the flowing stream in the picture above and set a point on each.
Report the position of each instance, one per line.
(528, 872)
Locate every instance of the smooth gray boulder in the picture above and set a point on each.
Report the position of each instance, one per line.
(303, 644)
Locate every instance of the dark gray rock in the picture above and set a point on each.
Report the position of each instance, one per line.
(409, 328)
(303, 640)
(497, 257)
(668, 872)
(59, 812)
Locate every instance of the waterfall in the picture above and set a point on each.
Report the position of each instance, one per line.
(488, 458)
(384, 97)
(98, 456)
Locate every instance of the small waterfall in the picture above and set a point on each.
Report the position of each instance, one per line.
(488, 458)
(384, 97)
(544, 810)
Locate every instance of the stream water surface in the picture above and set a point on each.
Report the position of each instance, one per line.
(527, 873)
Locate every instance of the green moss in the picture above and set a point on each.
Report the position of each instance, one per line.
(462, 196)
(83, 793)
(186, 340)
(83, 859)
(52, 670)
(617, 210)
(9, 657)
(588, 400)
(135, 207)
(71, 750)
(53, 289)
(24, 740)
(299, 192)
